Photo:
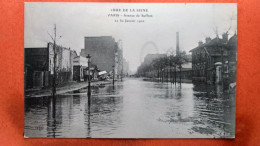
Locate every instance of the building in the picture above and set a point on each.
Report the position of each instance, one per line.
(64, 63)
(39, 65)
(102, 51)
(121, 65)
(119, 61)
(212, 60)
(125, 67)
(79, 65)
(36, 67)
(185, 72)
(232, 64)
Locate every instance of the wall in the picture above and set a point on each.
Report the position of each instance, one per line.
(37, 58)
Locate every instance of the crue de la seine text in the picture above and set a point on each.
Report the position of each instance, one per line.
(119, 15)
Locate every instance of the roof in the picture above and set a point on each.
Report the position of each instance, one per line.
(187, 65)
(213, 42)
(218, 41)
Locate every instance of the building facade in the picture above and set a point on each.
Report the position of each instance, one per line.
(36, 67)
(64, 63)
(212, 60)
(39, 65)
(102, 51)
(79, 65)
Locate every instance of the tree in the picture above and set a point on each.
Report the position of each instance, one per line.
(161, 65)
(180, 59)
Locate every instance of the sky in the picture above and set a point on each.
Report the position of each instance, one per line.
(157, 34)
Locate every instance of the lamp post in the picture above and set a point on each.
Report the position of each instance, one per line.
(89, 61)
(89, 93)
(113, 75)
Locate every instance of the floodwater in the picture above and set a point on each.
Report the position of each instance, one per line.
(134, 109)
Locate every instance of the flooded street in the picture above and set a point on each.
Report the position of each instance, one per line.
(133, 109)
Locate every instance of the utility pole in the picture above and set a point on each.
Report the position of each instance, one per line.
(54, 62)
(54, 39)
(177, 44)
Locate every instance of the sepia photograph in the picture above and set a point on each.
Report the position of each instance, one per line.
(130, 70)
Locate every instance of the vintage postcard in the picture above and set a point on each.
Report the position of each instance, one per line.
(130, 70)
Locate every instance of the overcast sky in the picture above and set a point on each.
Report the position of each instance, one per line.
(74, 21)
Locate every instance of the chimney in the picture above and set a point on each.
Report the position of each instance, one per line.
(225, 37)
(177, 44)
(208, 39)
(200, 43)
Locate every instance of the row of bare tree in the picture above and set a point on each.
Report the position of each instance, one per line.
(164, 68)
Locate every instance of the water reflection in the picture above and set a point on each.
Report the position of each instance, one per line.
(215, 108)
(133, 108)
(88, 116)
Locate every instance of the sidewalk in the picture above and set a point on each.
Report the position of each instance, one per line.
(71, 86)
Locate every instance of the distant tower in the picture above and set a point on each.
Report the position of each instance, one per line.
(177, 44)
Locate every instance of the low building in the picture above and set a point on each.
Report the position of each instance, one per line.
(185, 72)
(39, 66)
(36, 67)
(79, 65)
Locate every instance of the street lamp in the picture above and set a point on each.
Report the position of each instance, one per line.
(89, 61)
(113, 75)
(89, 92)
